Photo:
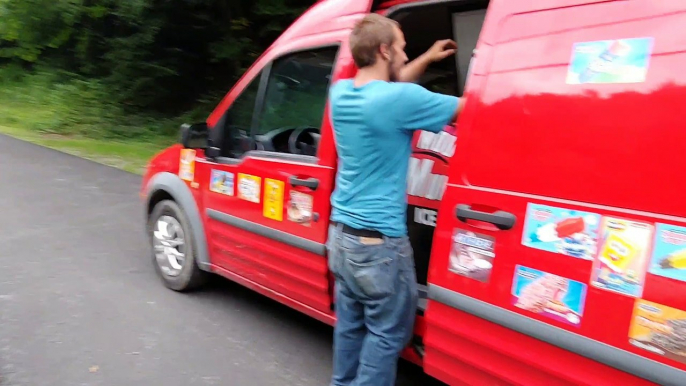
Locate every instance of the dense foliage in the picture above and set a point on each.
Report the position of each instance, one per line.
(132, 58)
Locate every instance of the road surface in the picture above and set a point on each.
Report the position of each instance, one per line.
(80, 303)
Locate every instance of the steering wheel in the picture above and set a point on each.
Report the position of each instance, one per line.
(293, 142)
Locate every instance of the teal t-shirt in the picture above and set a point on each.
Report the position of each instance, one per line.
(373, 127)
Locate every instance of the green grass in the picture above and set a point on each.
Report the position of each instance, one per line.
(77, 116)
(129, 156)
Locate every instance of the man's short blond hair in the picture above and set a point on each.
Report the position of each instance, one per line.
(368, 36)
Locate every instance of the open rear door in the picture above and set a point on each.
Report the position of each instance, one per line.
(562, 223)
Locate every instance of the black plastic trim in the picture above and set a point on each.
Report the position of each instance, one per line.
(270, 233)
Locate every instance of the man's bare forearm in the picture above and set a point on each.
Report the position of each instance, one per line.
(415, 69)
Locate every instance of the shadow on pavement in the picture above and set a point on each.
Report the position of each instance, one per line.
(221, 289)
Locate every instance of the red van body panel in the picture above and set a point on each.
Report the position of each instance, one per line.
(530, 139)
(531, 144)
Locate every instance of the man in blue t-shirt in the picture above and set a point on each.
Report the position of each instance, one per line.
(374, 117)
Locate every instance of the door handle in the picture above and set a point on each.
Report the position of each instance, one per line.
(311, 183)
(502, 220)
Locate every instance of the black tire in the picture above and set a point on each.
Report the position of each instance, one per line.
(191, 276)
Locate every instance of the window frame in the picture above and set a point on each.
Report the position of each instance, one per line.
(264, 75)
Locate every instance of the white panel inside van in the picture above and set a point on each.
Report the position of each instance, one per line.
(466, 29)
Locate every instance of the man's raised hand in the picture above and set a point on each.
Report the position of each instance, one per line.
(442, 49)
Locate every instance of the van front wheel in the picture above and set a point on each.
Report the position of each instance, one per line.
(173, 251)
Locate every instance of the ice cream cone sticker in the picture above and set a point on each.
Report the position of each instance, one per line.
(548, 295)
(675, 260)
(187, 165)
(669, 252)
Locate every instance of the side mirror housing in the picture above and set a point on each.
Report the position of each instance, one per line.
(194, 136)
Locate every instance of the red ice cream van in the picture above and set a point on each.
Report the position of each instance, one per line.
(549, 226)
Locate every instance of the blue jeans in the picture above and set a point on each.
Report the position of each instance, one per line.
(376, 304)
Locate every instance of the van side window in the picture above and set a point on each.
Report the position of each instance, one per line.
(294, 102)
(236, 134)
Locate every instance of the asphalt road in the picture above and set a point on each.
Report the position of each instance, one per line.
(80, 303)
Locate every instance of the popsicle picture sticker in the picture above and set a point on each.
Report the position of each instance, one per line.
(622, 261)
(222, 182)
(472, 255)
(564, 231)
(669, 253)
(300, 208)
(610, 61)
(659, 329)
(549, 295)
(187, 165)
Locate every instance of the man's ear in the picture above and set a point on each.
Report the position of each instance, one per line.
(385, 51)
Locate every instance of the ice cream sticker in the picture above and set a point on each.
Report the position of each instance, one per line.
(669, 252)
(187, 165)
(623, 256)
(222, 182)
(472, 255)
(549, 295)
(300, 208)
(610, 61)
(273, 199)
(659, 329)
(564, 231)
(249, 187)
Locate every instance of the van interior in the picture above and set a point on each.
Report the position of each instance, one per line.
(424, 24)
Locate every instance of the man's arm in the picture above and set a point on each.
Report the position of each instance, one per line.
(416, 68)
(420, 109)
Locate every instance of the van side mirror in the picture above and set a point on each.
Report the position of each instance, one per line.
(194, 136)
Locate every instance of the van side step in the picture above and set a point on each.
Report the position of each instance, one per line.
(423, 299)
(418, 346)
(421, 306)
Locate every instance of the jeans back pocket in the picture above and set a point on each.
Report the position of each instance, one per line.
(377, 278)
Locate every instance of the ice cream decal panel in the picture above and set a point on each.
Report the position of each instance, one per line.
(567, 232)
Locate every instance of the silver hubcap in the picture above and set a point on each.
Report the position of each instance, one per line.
(169, 244)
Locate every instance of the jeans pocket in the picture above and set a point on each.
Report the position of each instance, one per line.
(375, 279)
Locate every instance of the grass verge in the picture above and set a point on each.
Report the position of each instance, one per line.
(129, 156)
(79, 117)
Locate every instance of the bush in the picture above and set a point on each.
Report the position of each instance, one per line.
(66, 104)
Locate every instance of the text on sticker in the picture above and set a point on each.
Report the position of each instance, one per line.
(425, 216)
(422, 183)
(473, 241)
(653, 325)
(441, 143)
